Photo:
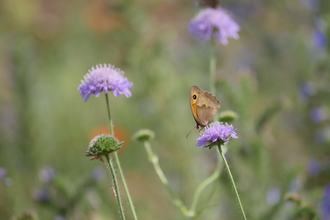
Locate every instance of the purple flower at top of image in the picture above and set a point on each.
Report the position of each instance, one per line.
(216, 133)
(214, 20)
(325, 204)
(103, 79)
(317, 114)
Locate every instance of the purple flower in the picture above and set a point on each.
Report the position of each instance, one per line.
(314, 168)
(47, 174)
(273, 196)
(325, 204)
(3, 173)
(215, 20)
(317, 114)
(216, 133)
(103, 79)
(97, 174)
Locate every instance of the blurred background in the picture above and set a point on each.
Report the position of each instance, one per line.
(275, 77)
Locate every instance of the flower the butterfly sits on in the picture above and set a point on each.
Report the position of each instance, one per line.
(214, 20)
(103, 79)
(216, 133)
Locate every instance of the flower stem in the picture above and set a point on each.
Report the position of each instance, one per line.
(204, 184)
(154, 160)
(118, 164)
(213, 65)
(116, 188)
(232, 181)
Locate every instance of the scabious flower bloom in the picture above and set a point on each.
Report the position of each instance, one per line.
(216, 133)
(103, 79)
(214, 20)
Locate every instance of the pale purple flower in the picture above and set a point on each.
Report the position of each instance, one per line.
(317, 114)
(214, 20)
(3, 173)
(47, 174)
(97, 174)
(216, 133)
(273, 196)
(103, 79)
(314, 168)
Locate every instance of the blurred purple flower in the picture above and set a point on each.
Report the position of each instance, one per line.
(311, 5)
(325, 204)
(3, 173)
(320, 40)
(214, 20)
(307, 89)
(97, 174)
(273, 196)
(103, 79)
(216, 133)
(317, 114)
(46, 174)
(59, 217)
(42, 195)
(314, 168)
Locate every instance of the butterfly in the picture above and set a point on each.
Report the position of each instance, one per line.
(203, 106)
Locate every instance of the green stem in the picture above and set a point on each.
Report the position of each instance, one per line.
(118, 164)
(154, 160)
(204, 184)
(232, 181)
(115, 184)
(213, 65)
(109, 114)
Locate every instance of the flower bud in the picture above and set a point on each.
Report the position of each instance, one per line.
(143, 135)
(103, 145)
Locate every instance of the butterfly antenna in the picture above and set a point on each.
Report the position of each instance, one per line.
(190, 132)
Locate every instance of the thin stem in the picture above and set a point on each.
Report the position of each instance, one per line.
(154, 160)
(204, 184)
(232, 181)
(213, 65)
(118, 163)
(109, 114)
(116, 188)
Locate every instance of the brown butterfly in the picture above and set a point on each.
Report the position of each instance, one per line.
(203, 106)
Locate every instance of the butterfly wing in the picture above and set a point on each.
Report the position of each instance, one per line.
(203, 106)
(207, 105)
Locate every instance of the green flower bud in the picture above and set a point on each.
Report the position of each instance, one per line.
(103, 145)
(228, 116)
(143, 135)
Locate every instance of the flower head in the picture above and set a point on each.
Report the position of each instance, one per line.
(103, 145)
(216, 133)
(103, 79)
(215, 20)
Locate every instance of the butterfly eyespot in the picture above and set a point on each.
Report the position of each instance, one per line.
(194, 97)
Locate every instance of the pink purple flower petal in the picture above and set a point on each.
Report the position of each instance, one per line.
(214, 20)
(216, 133)
(103, 79)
